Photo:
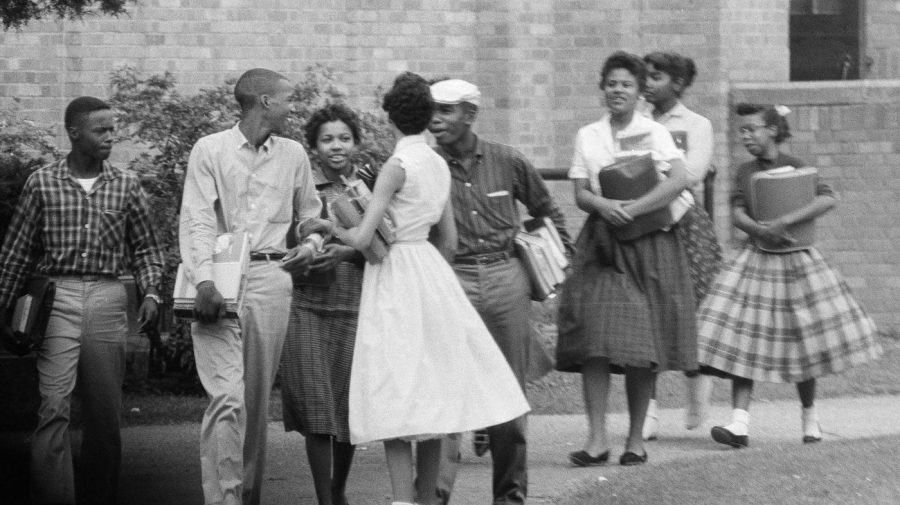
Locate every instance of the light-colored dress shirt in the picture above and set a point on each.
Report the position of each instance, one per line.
(699, 131)
(596, 148)
(231, 186)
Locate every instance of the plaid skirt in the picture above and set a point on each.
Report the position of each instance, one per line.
(782, 318)
(318, 354)
(629, 302)
(698, 235)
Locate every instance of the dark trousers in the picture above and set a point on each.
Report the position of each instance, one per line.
(501, 295)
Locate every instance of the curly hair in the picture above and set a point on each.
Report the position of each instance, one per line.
(624, 60)
(770, 116)
(327, 114)
(409, 104)
(677, 66)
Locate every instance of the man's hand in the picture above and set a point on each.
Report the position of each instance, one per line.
(297, 260)
(9, 340)
(209, 305)
(314, 225)
(148, 313)
(331, 256)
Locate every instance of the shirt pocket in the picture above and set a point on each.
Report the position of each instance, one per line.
(500, 209)
(112, 228)
(279, 204)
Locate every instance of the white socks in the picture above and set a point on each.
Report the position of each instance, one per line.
(651, 421)
(740, 422)
(811, 423)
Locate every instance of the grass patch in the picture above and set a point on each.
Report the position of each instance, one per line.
(855, 471)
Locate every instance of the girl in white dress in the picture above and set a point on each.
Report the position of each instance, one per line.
(424, 364)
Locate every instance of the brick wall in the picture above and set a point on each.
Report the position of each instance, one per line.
(850, 131)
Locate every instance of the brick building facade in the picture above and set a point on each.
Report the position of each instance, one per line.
(537, 64)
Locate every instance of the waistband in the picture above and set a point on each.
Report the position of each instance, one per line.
(83, 278)
(483, 259)
(257, 256)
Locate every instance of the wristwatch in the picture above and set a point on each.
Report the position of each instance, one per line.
(154, 297)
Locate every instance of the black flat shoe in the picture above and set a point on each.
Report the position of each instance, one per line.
(629, 458)
(481, 442)
(723, 436)
(582, 458)
(809, 439)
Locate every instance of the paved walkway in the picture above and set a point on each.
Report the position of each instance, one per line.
(160, 463)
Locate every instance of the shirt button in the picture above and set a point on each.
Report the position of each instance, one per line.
(474, 212)
(481, 241)
(253, 206)
(468, 184)
(87, 226)
(84, 255)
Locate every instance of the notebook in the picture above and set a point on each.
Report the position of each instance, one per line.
(231, 260)
(629, 179)
(779, 191)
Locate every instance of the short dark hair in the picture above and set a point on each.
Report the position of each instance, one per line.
(327, 114)
(625, 60)
(770, 116)
(253, 83)
(409, 104)
(82, 107)
(678, 66)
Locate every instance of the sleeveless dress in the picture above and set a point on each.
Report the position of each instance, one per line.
(424, 364)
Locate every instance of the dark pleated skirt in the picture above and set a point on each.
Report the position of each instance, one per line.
(629, 302)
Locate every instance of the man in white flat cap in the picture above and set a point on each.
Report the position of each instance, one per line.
(487, 179)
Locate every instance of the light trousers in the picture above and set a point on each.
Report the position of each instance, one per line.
(237, 361)
(84, 344)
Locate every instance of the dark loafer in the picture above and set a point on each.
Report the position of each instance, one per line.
(631, 458)
(481, 442)
(809, 439)
(582, 458)
(723, 436)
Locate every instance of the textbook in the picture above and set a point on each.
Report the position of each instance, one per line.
(31, 314)
(231, 260)
(630, 179)
(543, 255)
(349, 209)
(779, 191)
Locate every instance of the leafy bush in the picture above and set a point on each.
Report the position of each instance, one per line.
(24, 148)
(163, 125)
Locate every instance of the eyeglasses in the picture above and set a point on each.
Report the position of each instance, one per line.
(751, 129)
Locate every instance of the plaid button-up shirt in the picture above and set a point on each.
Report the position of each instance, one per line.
(60, 229)
(485, 195)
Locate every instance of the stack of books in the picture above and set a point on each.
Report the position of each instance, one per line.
(231, 261)
(779, 191)
(349, 209)
(542, 252)
(32, 312)
(629, 179)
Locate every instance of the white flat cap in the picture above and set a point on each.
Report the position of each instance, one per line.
(454, 91)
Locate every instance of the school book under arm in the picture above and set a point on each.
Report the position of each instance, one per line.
(31, 314)
(231, 260)
(542, 268)
(349, 213)
(630, 179)
(779, 191)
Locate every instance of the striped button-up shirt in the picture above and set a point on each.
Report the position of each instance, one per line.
(484, 196)
(231, 186)
(61, 229)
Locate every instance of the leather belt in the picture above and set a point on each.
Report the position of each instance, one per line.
(258, 256)
(83, 278)
(483, 259)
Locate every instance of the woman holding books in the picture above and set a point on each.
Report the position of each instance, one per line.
(628, 306)
(318, 349)
(424, 365)
(778, 312)
(668, 75)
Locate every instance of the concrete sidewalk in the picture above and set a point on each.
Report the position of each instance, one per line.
(161, 463)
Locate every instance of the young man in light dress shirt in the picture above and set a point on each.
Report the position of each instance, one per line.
(246, 179)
